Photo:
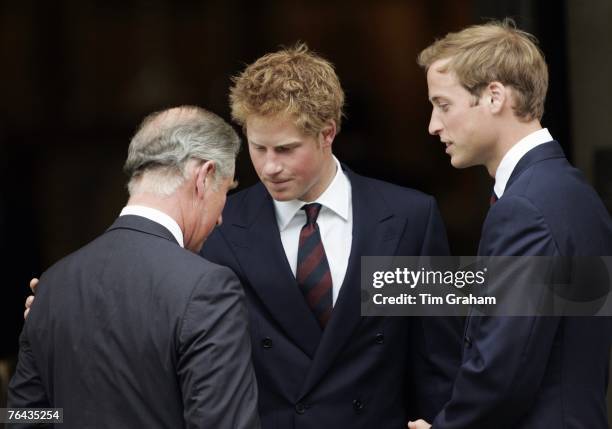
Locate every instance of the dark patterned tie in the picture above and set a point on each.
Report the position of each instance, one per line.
(312, 274)
(493, 199)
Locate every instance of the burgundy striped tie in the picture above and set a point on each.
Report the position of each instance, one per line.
(312, 274)
(493, 199)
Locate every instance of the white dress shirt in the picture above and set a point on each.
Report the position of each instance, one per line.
(335, 222)
(514, 155)
(158, 217)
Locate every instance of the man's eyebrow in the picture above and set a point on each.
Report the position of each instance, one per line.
(289, 144)
(439, 100)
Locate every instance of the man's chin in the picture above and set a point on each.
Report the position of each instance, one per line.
(280, 192)
(460, 163)
(281, 196)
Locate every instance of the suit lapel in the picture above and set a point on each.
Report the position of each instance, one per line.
(256, 240)
(376, 231)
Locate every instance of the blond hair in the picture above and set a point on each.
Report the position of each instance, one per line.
(496, 51)
(294, 81)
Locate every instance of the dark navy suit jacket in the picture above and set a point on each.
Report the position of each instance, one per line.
(361, 372)
(132, 331)
(537, 372)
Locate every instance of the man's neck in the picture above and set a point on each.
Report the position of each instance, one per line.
(166, 205)
(510, 136)
(327, 177)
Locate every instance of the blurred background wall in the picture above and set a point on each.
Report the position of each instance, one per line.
(76, 78)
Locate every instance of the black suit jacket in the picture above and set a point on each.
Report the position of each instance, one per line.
(132, 331)
(360, 372)
(537, 372)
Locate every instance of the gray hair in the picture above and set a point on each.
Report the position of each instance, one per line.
(167, 141)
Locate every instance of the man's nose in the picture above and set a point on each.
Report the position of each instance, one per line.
(435, 125)
(272, 165)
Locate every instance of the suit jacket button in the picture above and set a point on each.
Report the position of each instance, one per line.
(380, 338)
(300, 408)
(468, 341)
(266, 343)
(357, 405)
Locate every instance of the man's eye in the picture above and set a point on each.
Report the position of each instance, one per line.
(444, 107)
(283, 149)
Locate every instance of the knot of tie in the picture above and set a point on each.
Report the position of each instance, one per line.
(493, 199)
(312, 212)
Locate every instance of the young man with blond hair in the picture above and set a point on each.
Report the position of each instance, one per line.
(487, 85)
(296, 239)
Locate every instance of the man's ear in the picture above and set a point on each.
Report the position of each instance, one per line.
(328, 133)
(204, 176)
(497, 96)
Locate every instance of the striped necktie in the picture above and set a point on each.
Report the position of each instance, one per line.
(312, 274)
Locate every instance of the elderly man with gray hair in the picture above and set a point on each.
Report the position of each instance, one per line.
(133, 331)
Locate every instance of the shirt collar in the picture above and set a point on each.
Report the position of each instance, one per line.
(158, 217)
(335, 198)
(514, 155)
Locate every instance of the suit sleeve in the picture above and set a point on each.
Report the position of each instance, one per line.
(505, 357)
(214, 363)
(436, 341)
(25, 389)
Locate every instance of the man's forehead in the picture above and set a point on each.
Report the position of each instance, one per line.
(273, 131)
(440, 79)
(441, 75)
(273, 120)
(441, 65)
